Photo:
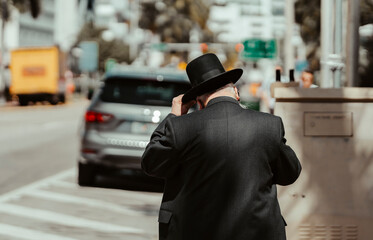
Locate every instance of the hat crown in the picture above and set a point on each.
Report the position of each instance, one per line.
(204, 68)
(207, 74)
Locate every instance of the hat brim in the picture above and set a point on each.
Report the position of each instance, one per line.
(213, 83)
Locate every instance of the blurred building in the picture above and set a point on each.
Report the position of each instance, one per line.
(66, 19)
(119, 17)
(40, 31)
(235, 20)
(56, 25)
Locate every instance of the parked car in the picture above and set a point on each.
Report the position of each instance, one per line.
(122, 115)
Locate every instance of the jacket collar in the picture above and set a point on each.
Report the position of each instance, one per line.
(221, 99)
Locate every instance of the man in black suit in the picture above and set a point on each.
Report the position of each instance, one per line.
(221, 163)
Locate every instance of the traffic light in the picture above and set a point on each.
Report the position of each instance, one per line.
(35, 8)
(278, 75)
(90, 5)
(4, 11)
(291, 75)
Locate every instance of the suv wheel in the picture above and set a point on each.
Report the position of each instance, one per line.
(86, 174)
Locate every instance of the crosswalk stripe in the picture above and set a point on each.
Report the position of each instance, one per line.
(28, 234)
(65, 220)
(64, 184)
(38, 184)
(74, 186)
(59, 197)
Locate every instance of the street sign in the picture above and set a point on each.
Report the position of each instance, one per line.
(159, 46)
(110, 64)
(88, 61)
(257, 48)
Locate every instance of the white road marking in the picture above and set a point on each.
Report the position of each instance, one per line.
(58, 197)
(134, 194)
(65, 220)
(28, 234)
(64, 184)
(38, 190)
(15, 194)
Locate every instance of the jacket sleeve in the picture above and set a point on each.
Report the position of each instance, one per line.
(287, 167)
(159, 158)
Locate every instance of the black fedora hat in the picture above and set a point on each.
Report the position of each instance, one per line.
(206, 73)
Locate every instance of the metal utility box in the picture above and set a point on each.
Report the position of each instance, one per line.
(331, 131)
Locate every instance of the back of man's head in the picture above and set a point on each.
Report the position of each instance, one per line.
(228, 90)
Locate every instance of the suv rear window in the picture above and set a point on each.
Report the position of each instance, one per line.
(142, 92)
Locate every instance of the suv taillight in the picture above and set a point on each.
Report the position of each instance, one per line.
(91, 116)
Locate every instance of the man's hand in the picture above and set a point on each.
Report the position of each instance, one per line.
(178, 108)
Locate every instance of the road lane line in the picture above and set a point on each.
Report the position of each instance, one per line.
(65, 220)
(36, 185)
(28, 234)
(64, 184)
(134, 194)
(64, 198)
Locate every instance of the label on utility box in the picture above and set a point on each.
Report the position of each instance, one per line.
(328, 124)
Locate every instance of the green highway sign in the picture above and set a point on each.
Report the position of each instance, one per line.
(110, 64)
(159, 46)
(257, 48)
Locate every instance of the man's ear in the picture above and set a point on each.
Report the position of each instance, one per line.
(237, 93)
(200, 104)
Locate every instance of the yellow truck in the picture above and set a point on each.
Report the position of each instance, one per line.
(37, 75)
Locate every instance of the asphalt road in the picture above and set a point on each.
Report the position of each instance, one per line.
(37, 142)
(39, 197)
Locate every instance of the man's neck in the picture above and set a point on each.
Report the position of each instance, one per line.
(217, 94)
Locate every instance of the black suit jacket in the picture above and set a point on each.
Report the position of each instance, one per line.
(221, 166)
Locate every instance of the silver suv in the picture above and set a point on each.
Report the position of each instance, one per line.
(122, 115)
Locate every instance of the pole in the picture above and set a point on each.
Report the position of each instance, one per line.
(289, 51)
(338, 42)
(352, 43)
(326, 24)
(4, 5)
(135, 5)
